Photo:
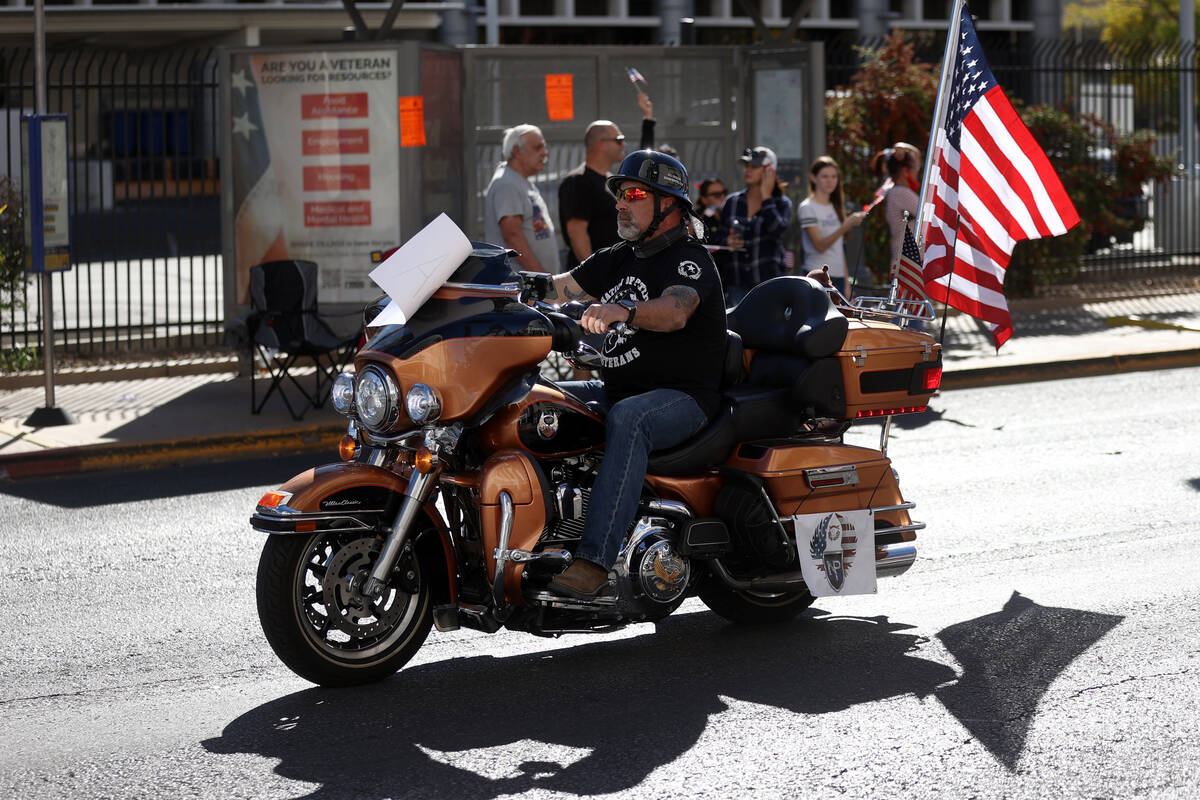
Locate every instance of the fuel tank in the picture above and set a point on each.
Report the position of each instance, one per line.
(546, 424)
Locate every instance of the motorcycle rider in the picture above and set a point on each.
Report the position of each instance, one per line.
(661, 369)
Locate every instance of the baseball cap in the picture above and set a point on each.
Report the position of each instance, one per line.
(759, 157)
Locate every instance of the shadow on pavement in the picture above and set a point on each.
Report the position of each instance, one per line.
(599, 718)
(110, 488)
(1009, 659)
(588, 720)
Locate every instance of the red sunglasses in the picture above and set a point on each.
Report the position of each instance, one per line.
(631, 193)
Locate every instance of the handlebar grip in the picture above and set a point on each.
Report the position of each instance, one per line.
(565, 334)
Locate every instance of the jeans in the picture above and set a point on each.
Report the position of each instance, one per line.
(637, 425)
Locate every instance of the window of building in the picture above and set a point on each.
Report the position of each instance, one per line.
(935, 9)
(643, 8)
(591, 8)
(537, 8)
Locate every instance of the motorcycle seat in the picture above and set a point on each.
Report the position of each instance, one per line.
(793, 328)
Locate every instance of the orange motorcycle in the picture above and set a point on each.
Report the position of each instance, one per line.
(466, 474)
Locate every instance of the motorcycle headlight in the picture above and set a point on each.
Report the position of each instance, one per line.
(376, 399)
(422, 403)
(342, 394)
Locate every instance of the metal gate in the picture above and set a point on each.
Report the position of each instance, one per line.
(144, 205)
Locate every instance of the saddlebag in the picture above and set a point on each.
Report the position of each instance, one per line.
(888, 370)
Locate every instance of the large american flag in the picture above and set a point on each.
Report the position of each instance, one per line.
(989, 186)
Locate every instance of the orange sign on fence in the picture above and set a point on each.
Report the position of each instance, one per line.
(412, 121)
(560, 96)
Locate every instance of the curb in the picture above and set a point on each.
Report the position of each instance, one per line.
(176, 452)
(1078, 368)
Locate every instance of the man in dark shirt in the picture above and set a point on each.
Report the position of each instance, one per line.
(585, 208)
(659, 305)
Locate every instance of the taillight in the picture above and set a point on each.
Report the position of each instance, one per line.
(887, 412)
(932, 379)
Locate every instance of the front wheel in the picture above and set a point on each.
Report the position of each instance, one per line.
(753, 608)
(320, 627)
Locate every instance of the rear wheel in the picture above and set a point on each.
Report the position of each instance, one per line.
(321, 627)
(753, 608)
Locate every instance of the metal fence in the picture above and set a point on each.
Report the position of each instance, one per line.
(145, 210)
(145, 226)
(1130, 87)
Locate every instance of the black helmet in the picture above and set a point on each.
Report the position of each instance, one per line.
(663, 174)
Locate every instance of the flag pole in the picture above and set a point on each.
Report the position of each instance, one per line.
(939, 123)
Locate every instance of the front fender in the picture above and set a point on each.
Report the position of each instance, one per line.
(347, 497)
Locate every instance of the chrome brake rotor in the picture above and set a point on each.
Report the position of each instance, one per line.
(349, 611)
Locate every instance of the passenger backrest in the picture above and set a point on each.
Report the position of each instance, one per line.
(789, 315)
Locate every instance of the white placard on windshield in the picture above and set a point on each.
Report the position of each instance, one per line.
(414, 272)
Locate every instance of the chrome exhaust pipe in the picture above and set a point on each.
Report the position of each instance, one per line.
(894, 559)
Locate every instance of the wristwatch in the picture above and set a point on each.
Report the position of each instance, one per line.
(631, 306)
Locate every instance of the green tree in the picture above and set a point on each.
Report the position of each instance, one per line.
(1142, 23)
(890, 99)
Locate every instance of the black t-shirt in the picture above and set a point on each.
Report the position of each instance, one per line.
(689, 359)
(582, 195)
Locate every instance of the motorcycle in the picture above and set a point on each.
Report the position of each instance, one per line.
(465, 478)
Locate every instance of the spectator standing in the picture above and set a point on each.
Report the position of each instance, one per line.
(752, 224)
(514, 212)
(586, 210)
(823, 222)
(901, 163)
(708, 210)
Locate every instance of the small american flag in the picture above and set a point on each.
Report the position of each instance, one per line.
(907, 270)
(635, 77)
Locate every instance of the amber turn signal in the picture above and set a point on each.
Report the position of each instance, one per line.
(272, 499)
(347, 447)
(424, 462)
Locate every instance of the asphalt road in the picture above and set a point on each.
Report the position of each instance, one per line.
(1045, 644)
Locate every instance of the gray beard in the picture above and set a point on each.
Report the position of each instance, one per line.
(628, 231)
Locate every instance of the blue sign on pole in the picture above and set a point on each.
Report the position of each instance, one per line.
(47, 193)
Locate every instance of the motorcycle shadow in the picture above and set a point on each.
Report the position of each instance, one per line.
(587, 720)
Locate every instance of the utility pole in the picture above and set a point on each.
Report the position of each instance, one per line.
(50, 414)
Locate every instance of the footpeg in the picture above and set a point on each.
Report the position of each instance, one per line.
(545, 556)
(572, 604)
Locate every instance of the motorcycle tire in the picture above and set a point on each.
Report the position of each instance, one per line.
(322, 639)
(753, 608)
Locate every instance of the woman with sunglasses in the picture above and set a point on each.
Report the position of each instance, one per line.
(708, 210)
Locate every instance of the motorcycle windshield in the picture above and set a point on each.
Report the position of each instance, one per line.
(488, 265)
(464, 313)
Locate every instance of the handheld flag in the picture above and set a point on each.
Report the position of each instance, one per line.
(880, 194)
(636, 78)
(988, 185)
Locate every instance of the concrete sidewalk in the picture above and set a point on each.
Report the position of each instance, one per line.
(201, 412)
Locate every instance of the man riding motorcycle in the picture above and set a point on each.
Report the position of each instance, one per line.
(660, 306)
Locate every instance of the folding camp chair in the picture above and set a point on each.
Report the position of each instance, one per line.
(284, 326)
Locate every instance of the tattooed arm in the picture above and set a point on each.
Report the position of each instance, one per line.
(566, 289)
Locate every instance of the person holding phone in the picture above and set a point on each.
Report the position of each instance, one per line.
(824, 221)
(752, 224)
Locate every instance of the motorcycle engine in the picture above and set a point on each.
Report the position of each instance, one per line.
(652, 577)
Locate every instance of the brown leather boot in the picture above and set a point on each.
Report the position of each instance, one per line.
(582, 580)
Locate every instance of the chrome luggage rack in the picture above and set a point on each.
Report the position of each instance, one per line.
(890, 308)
